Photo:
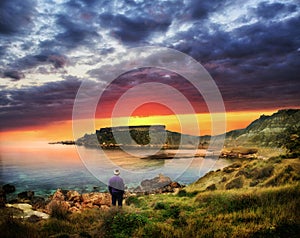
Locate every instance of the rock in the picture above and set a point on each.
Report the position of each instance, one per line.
(175, 185)
(211, 187)
(27, 195)
(8, 188)
(73, 196)
(27, 210)
(74, 210)
(235, 183)
(34, 219)
(38, 203)
(156, 183)
(58, 195)
(96, 198)
(2, 198)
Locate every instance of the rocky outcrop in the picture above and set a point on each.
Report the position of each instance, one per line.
(72, 201)
(159, 184)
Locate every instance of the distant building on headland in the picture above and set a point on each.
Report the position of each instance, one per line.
(150, 135)
(160, 128)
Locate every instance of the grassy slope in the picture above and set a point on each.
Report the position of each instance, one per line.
(268, 209)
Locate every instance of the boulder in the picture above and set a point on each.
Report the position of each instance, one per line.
(8, 188)
(158, 182)
(27, 210)
(73, 196)
(38, 203)
(58, 195)
(211, 187)
(96, 198)
(2, 198)
(27, 195)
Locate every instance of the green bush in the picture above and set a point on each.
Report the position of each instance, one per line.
(136, 201)
(184, 193)
(160, 206)
(118, 224)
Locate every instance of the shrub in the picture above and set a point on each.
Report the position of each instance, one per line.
(58, 210)
(55, 226)
(160, 206)
(118, 224)
(133, 200)
(184, 193)
(123, 225)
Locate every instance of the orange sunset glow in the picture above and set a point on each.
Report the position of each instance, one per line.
(63, 130)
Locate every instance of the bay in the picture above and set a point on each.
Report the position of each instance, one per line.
(43, 168)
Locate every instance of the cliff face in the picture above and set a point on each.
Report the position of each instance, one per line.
(267, 131)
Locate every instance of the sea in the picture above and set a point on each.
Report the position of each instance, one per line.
(43, 167)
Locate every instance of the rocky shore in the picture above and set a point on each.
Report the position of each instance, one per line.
(27, 205)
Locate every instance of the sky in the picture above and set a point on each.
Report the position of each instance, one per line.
(48, 48)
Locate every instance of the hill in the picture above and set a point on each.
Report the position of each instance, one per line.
(268, 131)
(280, 130)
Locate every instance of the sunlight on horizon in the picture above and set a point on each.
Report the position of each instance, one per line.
(63, 130)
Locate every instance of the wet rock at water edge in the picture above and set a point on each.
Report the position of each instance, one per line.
(8, 188)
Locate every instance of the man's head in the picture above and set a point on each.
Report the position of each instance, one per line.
(116, 172)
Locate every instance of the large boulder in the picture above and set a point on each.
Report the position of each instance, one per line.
(2, 198)
(156, 183)
(8, 188)
(26, 195)
(96, 199)
(73, 196)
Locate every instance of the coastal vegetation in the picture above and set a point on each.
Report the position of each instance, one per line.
(249, 198)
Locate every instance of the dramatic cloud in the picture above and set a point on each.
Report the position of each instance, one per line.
(38, 105)
(15, 15)
(251, 50)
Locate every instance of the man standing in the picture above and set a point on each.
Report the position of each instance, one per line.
(116, 188)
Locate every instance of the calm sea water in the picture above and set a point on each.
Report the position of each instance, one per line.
(43, 168)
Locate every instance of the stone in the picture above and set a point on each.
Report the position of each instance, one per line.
(27, 195)
(34, 219)
(73, 196)
(58, 195)
(27, 210)
(211, 187)
(38, 203)
(8, 188)
(156, 183)
(96, 198)
(2, 198)
(74, 210)
(235, 183)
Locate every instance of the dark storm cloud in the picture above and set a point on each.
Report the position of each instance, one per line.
(15, 15)
(75, 33)
(38, 105)
(201, 9)
(270, 10)
(133, 29)
(46, 57)
(14, 75)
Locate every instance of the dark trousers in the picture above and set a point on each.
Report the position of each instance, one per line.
(117, 196)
